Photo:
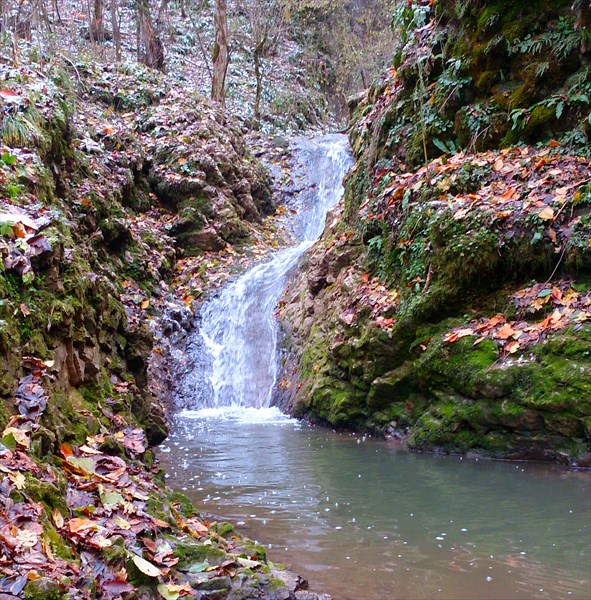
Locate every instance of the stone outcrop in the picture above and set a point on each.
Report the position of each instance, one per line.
(446, 306)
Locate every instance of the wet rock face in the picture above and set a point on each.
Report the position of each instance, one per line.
(199, 165)
(421, 392)
(416, 310)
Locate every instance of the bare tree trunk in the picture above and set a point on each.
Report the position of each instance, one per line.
(151, 51)
(161, 14)
(116, 30)
(221, 57)
(97, 29)
(258, 73)
(56, 8)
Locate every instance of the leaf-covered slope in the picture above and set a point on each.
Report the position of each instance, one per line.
(107, 175)
(448, 305)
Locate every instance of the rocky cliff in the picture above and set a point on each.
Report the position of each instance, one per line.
(447, 305)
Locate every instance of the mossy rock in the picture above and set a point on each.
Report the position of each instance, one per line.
(540, 124)
(190, 552)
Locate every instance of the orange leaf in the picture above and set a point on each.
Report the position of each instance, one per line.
(512, 347)
(66, 450)
(540, 164)
(9, 95)
(547, 214)
(505, 332)
(455, 336)
(19, 230)
(78, 525)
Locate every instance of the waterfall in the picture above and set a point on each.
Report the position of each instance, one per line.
(234, 352)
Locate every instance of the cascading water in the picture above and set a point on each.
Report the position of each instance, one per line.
(234, 357)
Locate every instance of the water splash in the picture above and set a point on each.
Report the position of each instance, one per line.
(241, 415)
(235, 351)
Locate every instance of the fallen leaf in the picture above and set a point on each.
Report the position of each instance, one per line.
(505, 332)
(116, 587)
(57, 518)
(9, 96)
(80, 525)
(512, 347)
(247, 563)
(111, 498)
(83, 464)
(18, 479)
(20, 437)
(547, 214)
(66, 450)
(456, 335)
(147, 568)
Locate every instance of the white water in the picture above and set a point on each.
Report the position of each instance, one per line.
(235, 355)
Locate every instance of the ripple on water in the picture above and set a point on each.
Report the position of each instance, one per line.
(422, 526)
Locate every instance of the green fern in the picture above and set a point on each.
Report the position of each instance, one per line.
(22, 129)
(13, 131)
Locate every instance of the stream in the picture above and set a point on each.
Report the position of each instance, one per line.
(360, 519)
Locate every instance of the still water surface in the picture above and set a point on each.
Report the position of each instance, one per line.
(363, 521)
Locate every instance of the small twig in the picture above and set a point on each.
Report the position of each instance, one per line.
(73, 66)
(428, 281)
(557, 264)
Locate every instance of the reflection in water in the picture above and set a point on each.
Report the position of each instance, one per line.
(364, 521)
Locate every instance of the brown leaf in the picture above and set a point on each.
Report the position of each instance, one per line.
(57, 518)
(116, 587)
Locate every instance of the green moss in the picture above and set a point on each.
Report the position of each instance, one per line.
(58, 544)
(51, 496)
(275, 584)
(116, 553)
(540, 122)
(43, 589)
(256, 550)
(184, 505)
(486, 81)
(191, 552)
(225, 529)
